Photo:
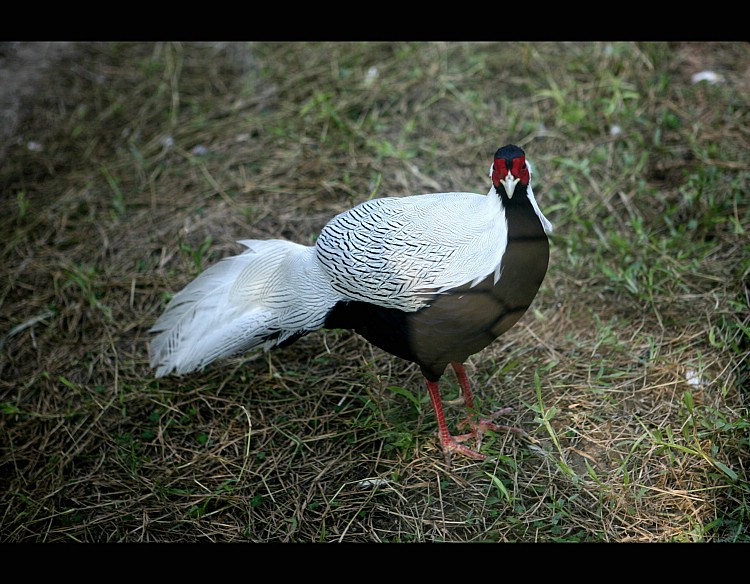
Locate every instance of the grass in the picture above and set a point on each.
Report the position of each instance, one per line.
(629, 374)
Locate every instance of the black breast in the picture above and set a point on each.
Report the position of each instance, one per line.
(464, 320)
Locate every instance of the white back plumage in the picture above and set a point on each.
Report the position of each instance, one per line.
(396, 252)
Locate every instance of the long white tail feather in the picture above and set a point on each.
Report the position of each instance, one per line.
(258, 298)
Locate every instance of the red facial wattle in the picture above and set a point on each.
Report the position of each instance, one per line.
(508, 172)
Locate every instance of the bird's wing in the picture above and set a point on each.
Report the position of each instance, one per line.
(398, 252)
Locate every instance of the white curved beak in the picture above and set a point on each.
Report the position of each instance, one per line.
(509, 184)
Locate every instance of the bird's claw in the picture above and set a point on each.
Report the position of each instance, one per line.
(480, 425)
(453, 445)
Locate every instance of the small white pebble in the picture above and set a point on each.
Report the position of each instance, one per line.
(372, 483)
(615, 130)
(708, 76)
(35, 146)
(693, 378)
(199, 150)
(167, 141)
(371, 75)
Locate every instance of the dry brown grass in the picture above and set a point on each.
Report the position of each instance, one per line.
(330, 439)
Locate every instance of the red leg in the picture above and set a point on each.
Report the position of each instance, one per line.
(478, 425)
(448, 442)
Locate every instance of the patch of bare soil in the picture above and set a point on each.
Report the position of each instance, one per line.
(23, 68)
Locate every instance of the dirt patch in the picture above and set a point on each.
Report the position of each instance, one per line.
(23, 68)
